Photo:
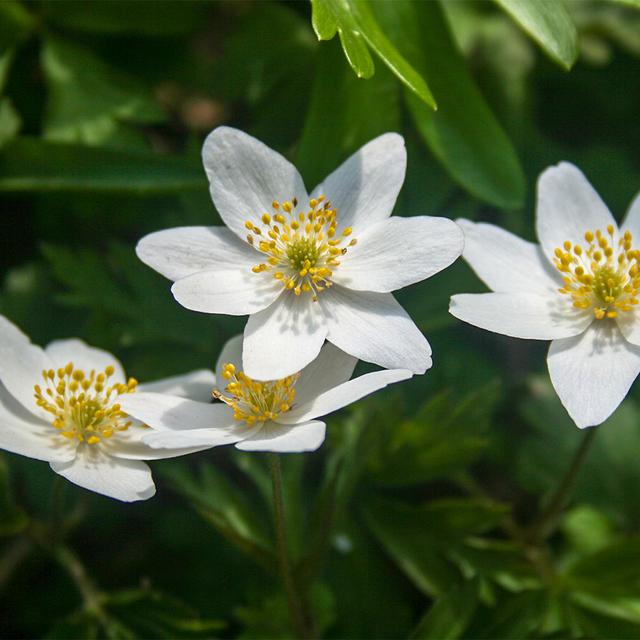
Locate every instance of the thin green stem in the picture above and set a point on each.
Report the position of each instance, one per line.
(546, 522)
(294, 600)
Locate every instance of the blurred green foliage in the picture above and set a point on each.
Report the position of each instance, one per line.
(415, 517)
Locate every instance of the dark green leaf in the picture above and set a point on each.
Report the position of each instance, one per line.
(463, 134)
(356, 24)
(12, 518)
(15, 24)
(449, 615)
(549, 24)
(334, 126)
(27, 164)
(9, 121)
(87, 99)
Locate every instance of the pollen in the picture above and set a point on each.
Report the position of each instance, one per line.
(253, 401)
(83, 406)
(603, 275)
(302, 245)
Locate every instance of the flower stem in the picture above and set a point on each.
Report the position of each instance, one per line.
(296, 609)
(545, 524)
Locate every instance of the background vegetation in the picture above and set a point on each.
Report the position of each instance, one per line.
(420, 514)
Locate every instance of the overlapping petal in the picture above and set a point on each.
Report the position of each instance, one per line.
(592, 372)
(195, 385)
(375, 328)
(365, 187)
(126, 480)
(284, 338)
(342, 395)
(182, 251)
(631, 220)
(281, 438)
(567, 207)
(397, 252)
(226, 289)
(520, 315)
(505, 262)
(246, 176)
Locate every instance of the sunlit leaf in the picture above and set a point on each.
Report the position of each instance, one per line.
(357, 25)
(463, 134)
(549, 24)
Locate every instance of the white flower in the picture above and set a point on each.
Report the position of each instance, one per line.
(63, 405)
(579, 288)
(306, 268)
(279, 415)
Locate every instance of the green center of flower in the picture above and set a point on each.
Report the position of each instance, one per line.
(302, 246)
(604, 276)
(253, 401)
(82, 405)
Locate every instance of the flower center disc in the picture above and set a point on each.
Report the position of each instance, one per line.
(603, 277)
(254, 401)
(302, 247)
(83, 405)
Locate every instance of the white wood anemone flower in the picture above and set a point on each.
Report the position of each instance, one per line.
(278, 415)
(62, 404)
(579, 288)
(306, 268)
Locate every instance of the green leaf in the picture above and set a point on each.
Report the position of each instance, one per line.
(334, 126)
(357, 25)
(12, 518)
(587, 529)
(9, 121)
(16, 23)
(549, 24)
(87, 99)
(444, 436)
(28, 164)
(463, 134)
(449, 615)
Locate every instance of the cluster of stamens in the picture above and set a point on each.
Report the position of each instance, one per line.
(303, 247)
(253, 401)
(601, 277)
(82, 405)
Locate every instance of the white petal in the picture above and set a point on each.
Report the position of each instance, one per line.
(632, 220)
(332, 367)
(281, 438)
(231, 354)
(126, 480)
(568, 206)
(84, 357)
(284, 338)
(164, 412)
(375, 328)
(592, 373)
(232, 291)
(343, 394)
(505, 262)
(197, 439)
(246, 176)
(132, 445)
(397, 252)
(22, 433)
(520, 315)
(365, 187)
(182, 251)
(21, 365)
(196, 385)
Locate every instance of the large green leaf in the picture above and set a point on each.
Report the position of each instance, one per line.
(88, 99)
(335, 126)
(549, 24)
(28, 164)
(463, 134)
(357, 26)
